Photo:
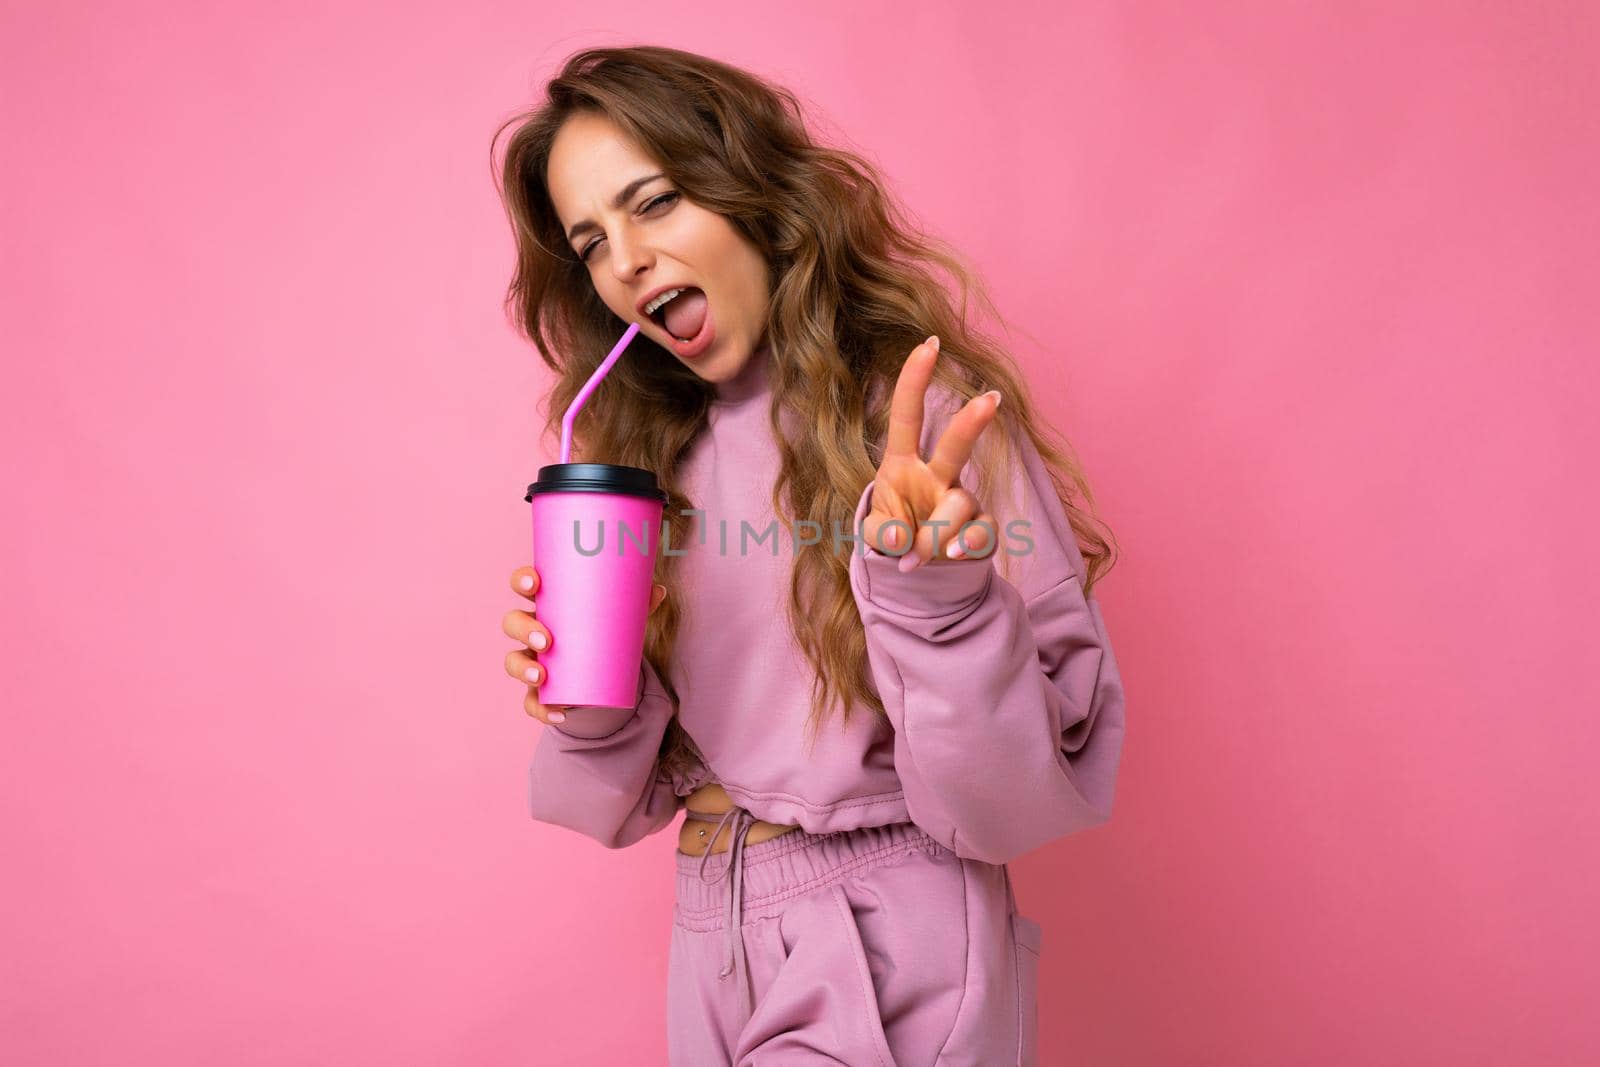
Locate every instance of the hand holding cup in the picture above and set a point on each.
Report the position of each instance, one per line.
(533, 637)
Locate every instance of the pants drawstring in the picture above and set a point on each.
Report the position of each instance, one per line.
(737, 964)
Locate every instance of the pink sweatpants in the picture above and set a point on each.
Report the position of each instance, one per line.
(876, 947)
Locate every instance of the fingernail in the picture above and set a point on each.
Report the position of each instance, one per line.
(525, 583)
(933, 339)
(558, 716)
(996, 394)
(956, 549)
(531, 674)
(908, 562)
(537, 639)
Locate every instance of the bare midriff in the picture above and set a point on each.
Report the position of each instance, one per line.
(711, 798)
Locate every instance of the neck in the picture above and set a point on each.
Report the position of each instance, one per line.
(752, 379)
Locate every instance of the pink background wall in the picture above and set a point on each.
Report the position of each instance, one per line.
(1311, 286)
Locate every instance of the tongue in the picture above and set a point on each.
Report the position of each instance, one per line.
(685, 314)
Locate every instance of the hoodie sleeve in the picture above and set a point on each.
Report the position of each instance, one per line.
(599, 771)
(1005, 698)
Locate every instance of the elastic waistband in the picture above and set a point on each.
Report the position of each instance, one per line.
(788, 865)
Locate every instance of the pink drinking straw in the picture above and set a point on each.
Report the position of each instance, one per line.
(589, 386)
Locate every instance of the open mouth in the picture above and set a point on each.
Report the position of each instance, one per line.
(683, 317)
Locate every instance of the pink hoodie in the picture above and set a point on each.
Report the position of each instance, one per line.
(1004, 698)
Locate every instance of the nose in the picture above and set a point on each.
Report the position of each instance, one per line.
(629, 258)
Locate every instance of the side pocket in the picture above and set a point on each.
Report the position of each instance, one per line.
(1029, 937)
(871, 1015)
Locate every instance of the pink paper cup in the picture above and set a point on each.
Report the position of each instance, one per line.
(596, 528)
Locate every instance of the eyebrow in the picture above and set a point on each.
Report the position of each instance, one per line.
(616, 202)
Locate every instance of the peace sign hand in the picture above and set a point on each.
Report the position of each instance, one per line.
(924, 498)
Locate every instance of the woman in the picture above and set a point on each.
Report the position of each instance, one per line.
(862, 730)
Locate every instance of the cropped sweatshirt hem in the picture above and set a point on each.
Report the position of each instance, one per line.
(851, 813)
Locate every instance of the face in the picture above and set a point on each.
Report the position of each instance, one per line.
(655, 238)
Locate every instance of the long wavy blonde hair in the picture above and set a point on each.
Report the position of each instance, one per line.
(853, 292)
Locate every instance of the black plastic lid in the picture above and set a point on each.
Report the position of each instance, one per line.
(596, 478)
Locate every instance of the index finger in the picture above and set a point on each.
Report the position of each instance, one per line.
(525, 580)
(905, 407)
